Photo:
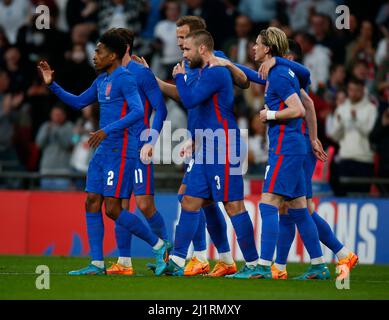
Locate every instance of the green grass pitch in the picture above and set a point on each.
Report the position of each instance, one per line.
(17, 281)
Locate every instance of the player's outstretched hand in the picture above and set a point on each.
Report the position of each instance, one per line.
(146, 153)
(179, 68)
(318, 150)
(187, 149)
(265, 67)
(46, 72)
(140, 60)
(216, 61)
(96, 138)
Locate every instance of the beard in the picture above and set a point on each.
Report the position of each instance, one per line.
(196, 62)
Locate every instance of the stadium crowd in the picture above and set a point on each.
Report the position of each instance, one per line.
(349, 73)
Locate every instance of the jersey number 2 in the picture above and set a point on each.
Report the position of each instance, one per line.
(110, 178)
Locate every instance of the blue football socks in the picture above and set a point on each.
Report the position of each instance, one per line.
(245, 235)
(307, 230)
(157, 225)
(95, 230)
(326, 235)
(217, 227)
(270, 229)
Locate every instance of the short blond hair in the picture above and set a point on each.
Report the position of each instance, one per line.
(276, 40)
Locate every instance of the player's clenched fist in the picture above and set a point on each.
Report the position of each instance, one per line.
(46, 72)
(179, 68)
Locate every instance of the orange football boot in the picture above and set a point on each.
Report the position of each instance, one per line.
(344, 266)
(222, 269)
(278, 274)
(118, 268)
(196, 267)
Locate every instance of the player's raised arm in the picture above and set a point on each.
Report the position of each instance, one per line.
(252, 75)
(238, 76)
(77, 102)
(302, 72)
(168, 89)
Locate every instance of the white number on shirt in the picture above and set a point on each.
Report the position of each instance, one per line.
(267, 170)
(138, 176)
(190, 165)
(217, 179)
(110, 178)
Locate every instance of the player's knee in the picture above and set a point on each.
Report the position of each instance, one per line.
(188, 204)
(93, 202)
(298, 203)
(310, 206)
(146, 206)
(283, 209)
(112, 209)
(235, 207)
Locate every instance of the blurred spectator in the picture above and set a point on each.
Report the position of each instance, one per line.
(337, 79)
(76, 63)
(55, 142)
(379, 137)
(382, 82)
(316, 58)
(362, 48)
(216, 14)
(82, 153)
(121, 14)
(261, 12)
(165, 38)
(382, 19)
(43, 44)
(236, 48)
(62, 22)
(20, 72)
(153, 17)
(4, 44)
(339, 99)
(258, 146)
(8, 116)
(322, 30)
(301, 11)
(353, 123)
(14, 14)
(81, 11)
